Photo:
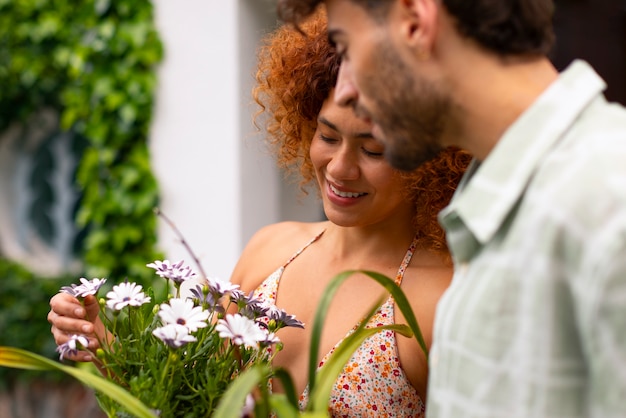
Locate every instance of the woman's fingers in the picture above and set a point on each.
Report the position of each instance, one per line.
(70, 325)
(67, 305)
(68, 316)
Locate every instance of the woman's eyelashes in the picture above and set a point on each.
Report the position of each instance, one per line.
(327, 139)
(367, 151)
(372, 153)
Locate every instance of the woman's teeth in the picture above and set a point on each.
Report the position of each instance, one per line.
(345, 194)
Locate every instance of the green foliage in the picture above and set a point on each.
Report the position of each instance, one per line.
(178, 382)
(23, 323)
(167, 354)
(22, 359)
(94, 62)
(283, 405)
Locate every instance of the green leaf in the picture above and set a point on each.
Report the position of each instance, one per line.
(403, 304)
(319, 398)
(22, 359)
(234, 398)
(283, 406)
(288, 386)
(328, 373)
(318, 323)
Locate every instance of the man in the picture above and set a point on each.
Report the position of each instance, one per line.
(534, 322)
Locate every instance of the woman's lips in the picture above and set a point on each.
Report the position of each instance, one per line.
(343, 197)
(340, 193)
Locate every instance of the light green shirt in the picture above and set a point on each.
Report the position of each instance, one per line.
(534, 322)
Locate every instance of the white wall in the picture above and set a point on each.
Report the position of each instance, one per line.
(217, 182)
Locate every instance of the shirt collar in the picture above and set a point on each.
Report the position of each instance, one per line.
(489, 190)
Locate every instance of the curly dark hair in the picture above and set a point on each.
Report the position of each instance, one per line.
(504, 27)
(296, 73)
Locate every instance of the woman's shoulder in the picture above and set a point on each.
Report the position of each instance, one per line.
(270, 247)
(428, 274)
(284, 235)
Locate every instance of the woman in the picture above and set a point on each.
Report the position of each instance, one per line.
(378, 219)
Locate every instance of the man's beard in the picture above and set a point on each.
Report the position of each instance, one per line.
(410, 112)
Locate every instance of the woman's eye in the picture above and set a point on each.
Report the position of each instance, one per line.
(372, 153)
(328, 139)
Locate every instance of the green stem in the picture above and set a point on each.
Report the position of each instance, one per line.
(166, 368)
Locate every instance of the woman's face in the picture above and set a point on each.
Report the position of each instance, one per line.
(358, 187)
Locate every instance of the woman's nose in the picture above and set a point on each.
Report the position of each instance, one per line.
(344, 165)
(345, 91)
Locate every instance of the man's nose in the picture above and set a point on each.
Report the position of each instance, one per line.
(345, 91)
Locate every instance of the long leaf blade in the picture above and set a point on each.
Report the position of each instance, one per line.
(318, 322)
(328, 373)
(403, 305)
(234, 398)
(288, 386)
(317, 401)
(22, 359)
(283, 407)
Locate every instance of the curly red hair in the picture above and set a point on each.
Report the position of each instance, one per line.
(296, 73)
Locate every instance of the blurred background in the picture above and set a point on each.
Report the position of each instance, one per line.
(109, 109)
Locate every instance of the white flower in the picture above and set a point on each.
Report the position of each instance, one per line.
(220, 287)
(87, 287)
(174, 335)
(125, 294)
(71, 347)
(178, 272)
(183, 312)
(241, 330)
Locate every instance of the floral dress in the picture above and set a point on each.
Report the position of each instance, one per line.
(372, 384)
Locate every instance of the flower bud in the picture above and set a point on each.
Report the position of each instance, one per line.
(100, 353)
(271, 325)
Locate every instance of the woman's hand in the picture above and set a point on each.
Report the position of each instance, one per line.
(68, 317)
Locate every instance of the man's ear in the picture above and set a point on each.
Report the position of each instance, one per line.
(418, 24)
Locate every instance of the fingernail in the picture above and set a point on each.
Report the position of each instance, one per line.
(79, 312)
(86, 328)
(87, 358)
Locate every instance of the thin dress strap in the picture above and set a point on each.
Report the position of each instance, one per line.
(406, 261)
(269, 287)
(297, 253)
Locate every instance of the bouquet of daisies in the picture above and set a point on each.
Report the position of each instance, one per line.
(178, 355)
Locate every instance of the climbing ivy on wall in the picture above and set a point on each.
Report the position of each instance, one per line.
(94, 62)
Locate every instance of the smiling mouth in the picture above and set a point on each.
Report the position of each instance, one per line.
(345, 194)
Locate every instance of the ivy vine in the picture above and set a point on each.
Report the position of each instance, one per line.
(93, 61)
